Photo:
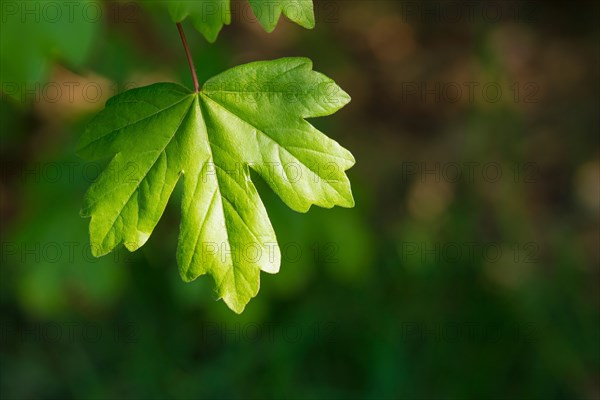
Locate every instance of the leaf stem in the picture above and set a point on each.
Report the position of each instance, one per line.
(189, 57)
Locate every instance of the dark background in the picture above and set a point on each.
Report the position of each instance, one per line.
(469, 267)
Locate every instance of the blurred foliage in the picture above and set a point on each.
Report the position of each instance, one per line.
(35, 33)
(364, 305)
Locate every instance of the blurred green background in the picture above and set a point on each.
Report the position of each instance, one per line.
(468, 269)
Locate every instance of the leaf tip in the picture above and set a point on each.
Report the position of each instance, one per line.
(185, 272)
(97, 250)
(309, 24)
(234, 304)
(351, 203)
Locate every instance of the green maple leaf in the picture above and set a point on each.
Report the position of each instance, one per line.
(209, 16)
(268, 12)
(249, 117)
